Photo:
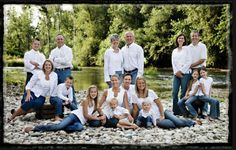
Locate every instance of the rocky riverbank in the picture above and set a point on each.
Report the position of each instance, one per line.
(209, 132)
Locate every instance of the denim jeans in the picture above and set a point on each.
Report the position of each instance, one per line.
(188, 103)
(70, 124)
(179, 82)
(144, 122)
(111, 123)
(62, 74)
(171, 121)
(35, 103)
(133, 75)
(57, 103)
(214, 106)
(94, 123)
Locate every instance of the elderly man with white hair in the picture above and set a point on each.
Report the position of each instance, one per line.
(133, 57)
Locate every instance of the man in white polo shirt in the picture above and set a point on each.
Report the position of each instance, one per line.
(198, 51)
(133, 57)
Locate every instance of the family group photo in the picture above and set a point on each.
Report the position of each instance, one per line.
(116, 74)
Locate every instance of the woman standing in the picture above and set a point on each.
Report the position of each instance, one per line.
(165, 119)
(77, 118)
(181, 62)
(43, 83)
(113, 61)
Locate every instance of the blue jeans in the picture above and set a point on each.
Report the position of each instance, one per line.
(62, 74)
(214, 106)
(179, 82)
(70, 124)
(133, 75)
(36, 103)
(171, 121)
(94, 123)
(57, 103)
(111, 123)
(144, 122)
(189, 105)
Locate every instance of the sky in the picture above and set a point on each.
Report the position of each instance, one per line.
(36, 13)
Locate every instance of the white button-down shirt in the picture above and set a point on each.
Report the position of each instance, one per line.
(33, 55)
(112, 62)
(133, 58)
(61, 57)
(39, 85)
(198, 52)
(64, 93)
(181, 60)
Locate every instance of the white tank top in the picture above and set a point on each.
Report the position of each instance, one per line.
(110, 95)
(79, 113)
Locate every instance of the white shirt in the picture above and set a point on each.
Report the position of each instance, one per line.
(112, 62)
(181, 60)
(46, 87)
(61, 57)
(133, 58)
(117, 111)
(38, 84)
(64, 93)
(150, 113)
(79, 113)
(129, 92)
(198, 52)
(152, 96)
(33, 55)
(194, 86)
(110, 95)
(207, 83)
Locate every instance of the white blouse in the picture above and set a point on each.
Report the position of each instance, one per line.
(112, 62)
(39, 85)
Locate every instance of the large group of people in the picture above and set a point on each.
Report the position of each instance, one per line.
(127, 102)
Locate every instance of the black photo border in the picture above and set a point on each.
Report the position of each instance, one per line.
(197, 146)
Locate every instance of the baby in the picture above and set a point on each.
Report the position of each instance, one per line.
(146, 116)
(121, 114)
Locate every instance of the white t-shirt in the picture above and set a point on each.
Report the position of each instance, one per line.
(194, 86)
(112, 62)
(152, 96)
(207, 83)
(117, 111)
(150, 113)
(130, 92)
(198, 52)
(79, 113)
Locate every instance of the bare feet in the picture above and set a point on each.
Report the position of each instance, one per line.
(198, 121)
(28, 129)
(57, 118)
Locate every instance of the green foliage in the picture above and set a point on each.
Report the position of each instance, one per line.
(87, 29)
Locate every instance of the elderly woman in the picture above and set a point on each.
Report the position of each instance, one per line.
(113, 61)
(165, 119)
(43, 83)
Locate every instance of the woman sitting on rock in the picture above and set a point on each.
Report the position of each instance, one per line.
(115, 92)
(165, 119)
(77, 118)
(43, 83)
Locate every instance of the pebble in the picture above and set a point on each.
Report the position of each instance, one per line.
(208, 132)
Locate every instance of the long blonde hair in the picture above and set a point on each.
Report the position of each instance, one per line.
(90, 99)
(145, 90)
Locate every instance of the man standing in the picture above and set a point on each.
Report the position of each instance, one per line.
(62, 56)
(198, 51)
(33, 60)
(133, 57)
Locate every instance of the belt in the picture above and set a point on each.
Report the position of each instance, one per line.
(62, 69)
(131, 70)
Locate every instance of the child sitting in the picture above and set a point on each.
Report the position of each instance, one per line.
(64, 97)
(121, 114)
(146, 117)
